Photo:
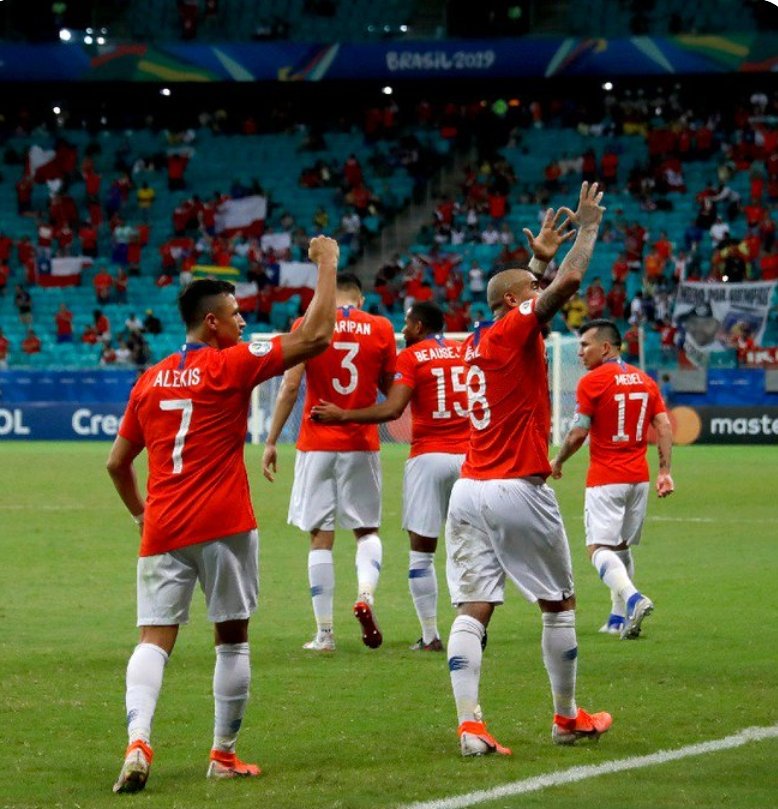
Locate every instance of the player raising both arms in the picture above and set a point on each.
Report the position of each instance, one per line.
(337, 471)
(503, 519)
(197, 524)
(431, 376)
(615, 404)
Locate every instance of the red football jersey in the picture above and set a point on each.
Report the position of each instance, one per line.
(347, 374)
(510, 412)
(621, 402)
(190, 412)
(435, 370)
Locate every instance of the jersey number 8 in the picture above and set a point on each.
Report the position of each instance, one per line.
(481, 417)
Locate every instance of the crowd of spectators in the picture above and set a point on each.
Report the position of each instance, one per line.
(741, 246)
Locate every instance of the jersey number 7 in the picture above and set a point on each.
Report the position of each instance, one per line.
(185, 406)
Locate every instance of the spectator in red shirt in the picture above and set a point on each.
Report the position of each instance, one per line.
(620, 268)
(65, 236)
(456, 318)
(595, 299)
(589, 166)
(87, 235)
(663, 246)
(31, 343)
(352, 172)
(103, 284)
(121, 283)
(754, 213)
(5, 274)
(24, 195)
(498, 205)
(176, 166)
(768, 264)
(92, 181)
(63, 320)
(102, 325)
(632, 344)
(609, 167)
(90, 336)
(6, 245)
(108, 355)
(5, 347)
(616, 300)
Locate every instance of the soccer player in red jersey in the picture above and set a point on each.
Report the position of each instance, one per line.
(503, 519)
(615, 404)
(431, 377)
(337, 471)
(197, 524)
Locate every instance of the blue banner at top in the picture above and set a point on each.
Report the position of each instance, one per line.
(404, 59)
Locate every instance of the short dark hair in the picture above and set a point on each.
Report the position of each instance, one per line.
(347, 280)
(606, 330)
(429, 314)
(193, 300)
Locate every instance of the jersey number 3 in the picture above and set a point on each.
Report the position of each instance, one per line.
(185, 406)
(347, 363)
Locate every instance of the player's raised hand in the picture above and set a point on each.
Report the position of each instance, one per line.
(323, 249)
(326, 412)
(589, 211)
(270, 461)
(550, 236)
(664, 484)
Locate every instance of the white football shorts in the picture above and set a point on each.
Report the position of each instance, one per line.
(330, 487)
(614, 513)
(506, 527)
(427, 484)
(228, 572)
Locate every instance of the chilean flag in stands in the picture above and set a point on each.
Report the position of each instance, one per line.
(246, 215)
(247, 296)
(62, 272)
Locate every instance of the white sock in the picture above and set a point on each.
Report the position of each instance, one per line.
(321, 576)
(613, 573)
(369, 555)
(618, 605)
(464, 664)
(145, 670)
(423, 584)
(560, 657)
(231, 679)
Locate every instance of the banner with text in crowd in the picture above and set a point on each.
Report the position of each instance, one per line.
(711, 316)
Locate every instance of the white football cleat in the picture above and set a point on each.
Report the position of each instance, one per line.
(321, 643)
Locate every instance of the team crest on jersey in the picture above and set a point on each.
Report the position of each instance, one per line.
(526, 307)
(398, 375)
(260, 347)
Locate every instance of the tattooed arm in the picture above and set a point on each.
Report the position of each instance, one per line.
(568, 278)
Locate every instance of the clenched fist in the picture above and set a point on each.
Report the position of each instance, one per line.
(323, 249)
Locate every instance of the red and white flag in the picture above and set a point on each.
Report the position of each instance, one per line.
(43, 164)
(247, 296)
(62, 272)
(246, 215)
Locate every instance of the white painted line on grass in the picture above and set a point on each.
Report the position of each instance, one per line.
(739, 520)
(538, 782)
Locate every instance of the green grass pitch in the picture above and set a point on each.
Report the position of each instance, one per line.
(376, 729)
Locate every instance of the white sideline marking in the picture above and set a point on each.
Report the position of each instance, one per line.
(710, 519)
(538, 782)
